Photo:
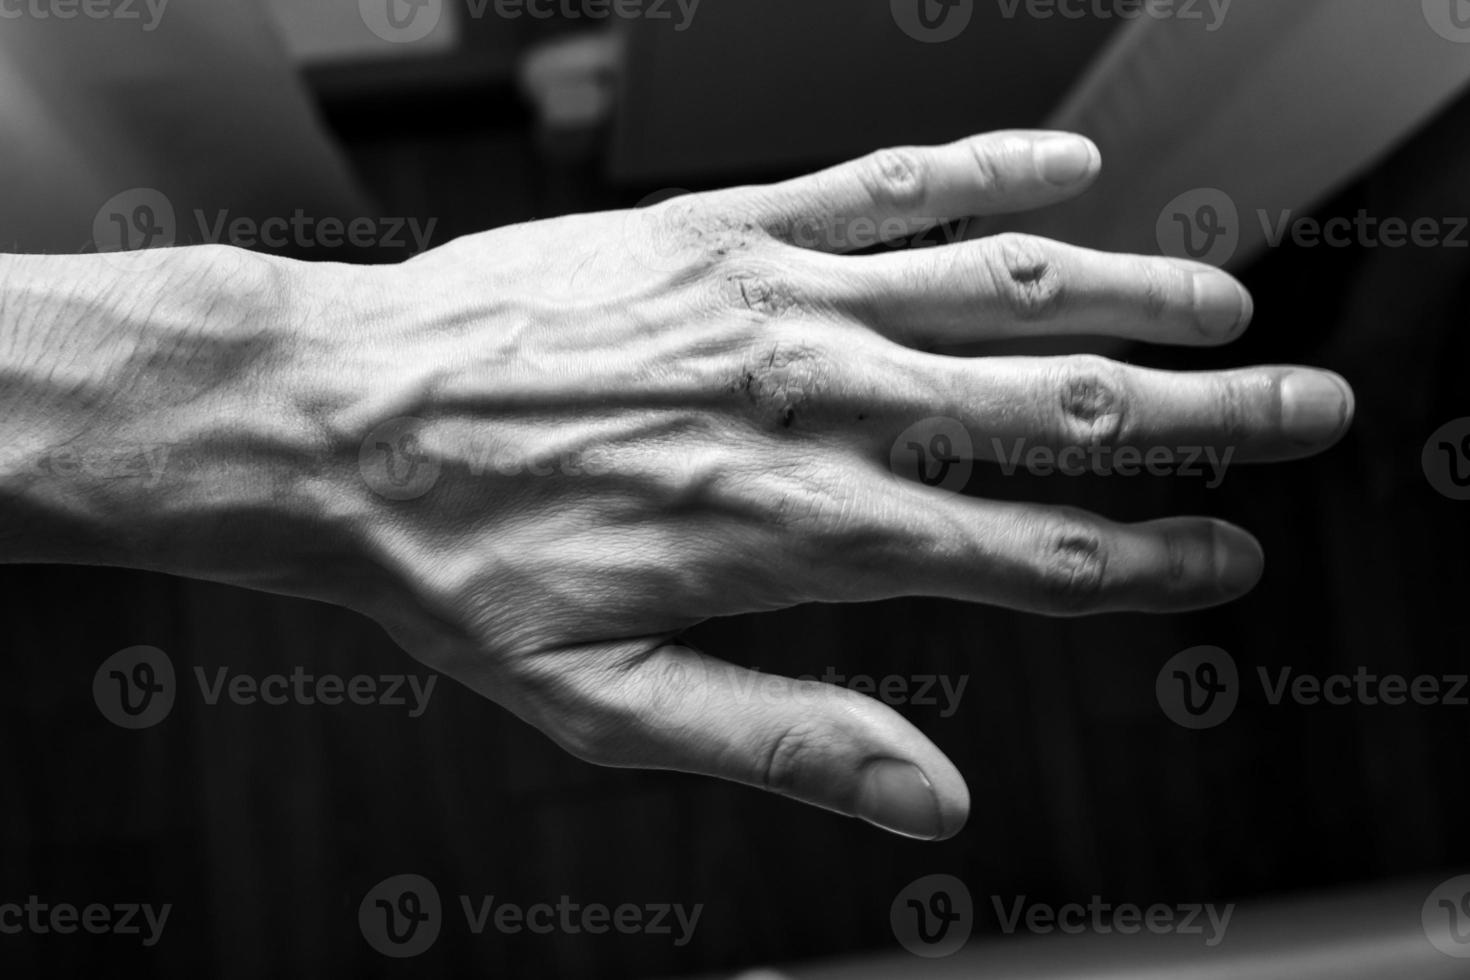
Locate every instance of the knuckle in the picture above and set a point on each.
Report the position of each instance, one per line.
(1165, 288)
(705, 232)
(895, 178)
(788, 756)
(1072, 574)
(1236, 400)
(1024, 275)
(989, 173)
(780, 380)
(760, 291)
(1092, 402)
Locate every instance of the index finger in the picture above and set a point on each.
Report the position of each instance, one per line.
(899, 192)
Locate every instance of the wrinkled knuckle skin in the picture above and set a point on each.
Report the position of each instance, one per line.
(1025, 277)
(1072, 568)
(1166, 290)
(787, 758)
(780, 381)
(762, 292)
(989, 175)
(703, 233)
(1237, 407)
(896, 179)
(1092, 402)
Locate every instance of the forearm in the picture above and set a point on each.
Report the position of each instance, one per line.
(141, 405)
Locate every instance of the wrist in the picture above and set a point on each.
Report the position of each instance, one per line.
(134, 393)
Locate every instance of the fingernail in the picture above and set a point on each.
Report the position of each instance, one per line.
(1064, 160)
(897, 796)
(1239, 560)
(1224, 307)
(1315, 407)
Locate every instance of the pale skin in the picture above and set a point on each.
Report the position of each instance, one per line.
(740, 383)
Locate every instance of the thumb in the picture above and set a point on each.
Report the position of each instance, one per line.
(676, 708)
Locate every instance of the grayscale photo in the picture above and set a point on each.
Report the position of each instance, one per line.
(735, 489)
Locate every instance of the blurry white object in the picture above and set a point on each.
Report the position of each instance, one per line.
(1388, 932)
(202, 113)
(571, 81)
(1205, 124)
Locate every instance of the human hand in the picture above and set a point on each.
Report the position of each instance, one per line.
(538, 455)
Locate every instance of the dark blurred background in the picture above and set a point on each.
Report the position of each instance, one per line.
(265, 826)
